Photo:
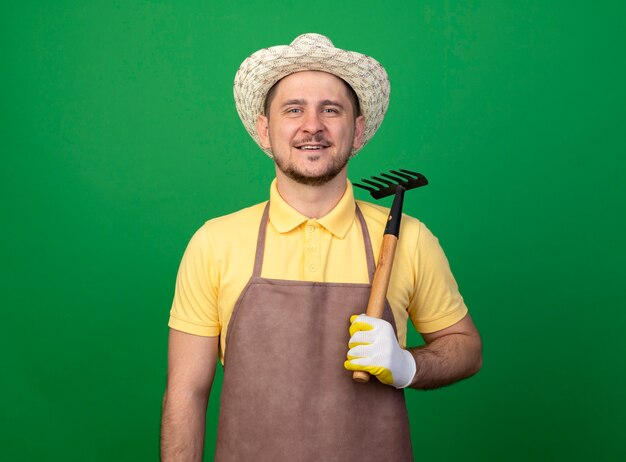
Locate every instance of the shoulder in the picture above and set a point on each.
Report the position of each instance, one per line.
(237, 221)
(376, 219)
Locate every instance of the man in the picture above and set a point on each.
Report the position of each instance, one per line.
(271, 289)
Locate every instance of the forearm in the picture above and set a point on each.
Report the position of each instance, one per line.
(183, 426)
(446, 360)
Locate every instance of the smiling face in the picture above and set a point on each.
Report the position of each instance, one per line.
(311, 127)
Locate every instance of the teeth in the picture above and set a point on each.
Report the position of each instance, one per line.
(311, 148)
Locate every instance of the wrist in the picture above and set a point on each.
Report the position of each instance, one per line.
(409, 371)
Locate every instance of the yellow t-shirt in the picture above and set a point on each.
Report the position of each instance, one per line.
(219, 259)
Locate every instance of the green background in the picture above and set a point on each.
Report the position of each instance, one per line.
(120, 138)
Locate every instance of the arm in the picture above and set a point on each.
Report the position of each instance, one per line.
(190, 372)
(450, 355)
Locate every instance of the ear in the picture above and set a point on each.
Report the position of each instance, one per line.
(262, 129)
(359, 129)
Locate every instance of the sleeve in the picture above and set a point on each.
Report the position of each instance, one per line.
(194, 309)
(436, 302)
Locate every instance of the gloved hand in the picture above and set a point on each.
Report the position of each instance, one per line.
(374, 348)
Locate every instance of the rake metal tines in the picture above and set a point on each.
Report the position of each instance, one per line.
(386, 186)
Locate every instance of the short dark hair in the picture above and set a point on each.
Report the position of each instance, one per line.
(354, 99)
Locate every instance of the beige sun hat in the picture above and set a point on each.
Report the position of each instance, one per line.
(312, 52)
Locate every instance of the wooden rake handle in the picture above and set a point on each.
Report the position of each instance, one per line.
(378, 294)
(376, 303)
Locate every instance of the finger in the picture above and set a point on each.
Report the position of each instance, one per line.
(352, 367)
(376, 323)
(362, 337)
(358, 326)
(360, 351)
(354, 316)
(358, 364)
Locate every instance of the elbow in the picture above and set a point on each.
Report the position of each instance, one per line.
(477, 364)
(473, 355)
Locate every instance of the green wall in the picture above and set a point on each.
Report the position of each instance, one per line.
(120, 138)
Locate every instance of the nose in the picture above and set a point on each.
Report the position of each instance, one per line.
(312, 122)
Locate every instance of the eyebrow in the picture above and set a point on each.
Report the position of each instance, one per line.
(302, 102)
(299, 102)
(328, 102)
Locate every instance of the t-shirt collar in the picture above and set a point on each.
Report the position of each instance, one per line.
(338, 221)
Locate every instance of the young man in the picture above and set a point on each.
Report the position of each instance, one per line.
(271, 289)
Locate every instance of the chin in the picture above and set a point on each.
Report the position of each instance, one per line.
(317, 177)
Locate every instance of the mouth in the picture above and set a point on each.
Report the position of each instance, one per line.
(312, 147)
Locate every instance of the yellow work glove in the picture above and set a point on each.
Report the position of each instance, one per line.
(374, 348)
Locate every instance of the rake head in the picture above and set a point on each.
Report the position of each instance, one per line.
(386, 186)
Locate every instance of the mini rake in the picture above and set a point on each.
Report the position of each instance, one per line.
(387, 186)
(402, 180)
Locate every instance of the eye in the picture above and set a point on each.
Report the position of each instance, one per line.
(294, 110)
(330, 110)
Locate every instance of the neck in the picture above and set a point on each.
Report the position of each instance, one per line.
(312, 201)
